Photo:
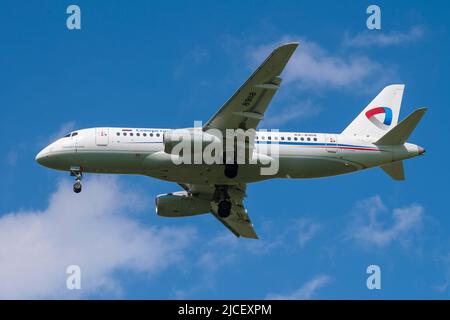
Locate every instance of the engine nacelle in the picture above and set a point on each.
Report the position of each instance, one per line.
(191, 136)
(180, 204)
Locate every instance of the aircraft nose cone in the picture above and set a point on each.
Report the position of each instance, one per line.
(41, 157)
(421, 150)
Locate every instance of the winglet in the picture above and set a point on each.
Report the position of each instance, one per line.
(400, 133)
(291, 46)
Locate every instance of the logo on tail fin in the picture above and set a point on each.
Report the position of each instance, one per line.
(372, 116)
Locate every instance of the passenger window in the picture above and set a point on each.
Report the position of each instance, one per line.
(138, 134)
(151, 134)
(118, 133)
(303, 139)
(282, 138)
(131, 134)
(295, 139)
(157, 134)
(144, 134)
(270, 138)
(124, 133)
(309, 139)
(289, 138)
(315, 139)
(263, 138)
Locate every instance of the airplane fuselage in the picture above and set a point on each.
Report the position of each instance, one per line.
(214, 167)
(141, 151)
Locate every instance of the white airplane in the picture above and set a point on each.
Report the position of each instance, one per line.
(374, 138)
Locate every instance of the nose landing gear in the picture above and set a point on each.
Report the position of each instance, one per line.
(77, 187)
(76, 172)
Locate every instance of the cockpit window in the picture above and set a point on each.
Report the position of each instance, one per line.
(72, 134)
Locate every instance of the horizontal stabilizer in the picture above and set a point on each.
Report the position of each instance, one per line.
(401, 132)
(394, 170)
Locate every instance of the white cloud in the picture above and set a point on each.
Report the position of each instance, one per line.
(12, 157)
(444, 261)
(307, 229)
(305, 292)
(370, 225)
(198, 55)
(90, 230)
(193, 57)
(225, 250)
(271, 239)
(63, 129)
(314, 67)
(384, 39)
(301, 110)
(230, 245)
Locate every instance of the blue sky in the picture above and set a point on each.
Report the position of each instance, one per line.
(168, 63)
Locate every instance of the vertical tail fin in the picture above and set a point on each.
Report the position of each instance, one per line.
(380, 115)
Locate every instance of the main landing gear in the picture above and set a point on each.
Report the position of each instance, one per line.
(222, 198)
(76, 172)
(231, 167)
(224, 208)
(231, 170)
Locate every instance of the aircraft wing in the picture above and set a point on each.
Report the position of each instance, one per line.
(246, 108)
(238, 222)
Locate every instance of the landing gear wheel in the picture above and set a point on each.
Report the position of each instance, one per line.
(224, 208)
(75, 171)
(231, 170)
(77, 187)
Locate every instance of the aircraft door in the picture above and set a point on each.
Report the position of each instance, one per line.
(331, 143)
(102, 136)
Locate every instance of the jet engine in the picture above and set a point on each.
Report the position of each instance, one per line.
(180, 204)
